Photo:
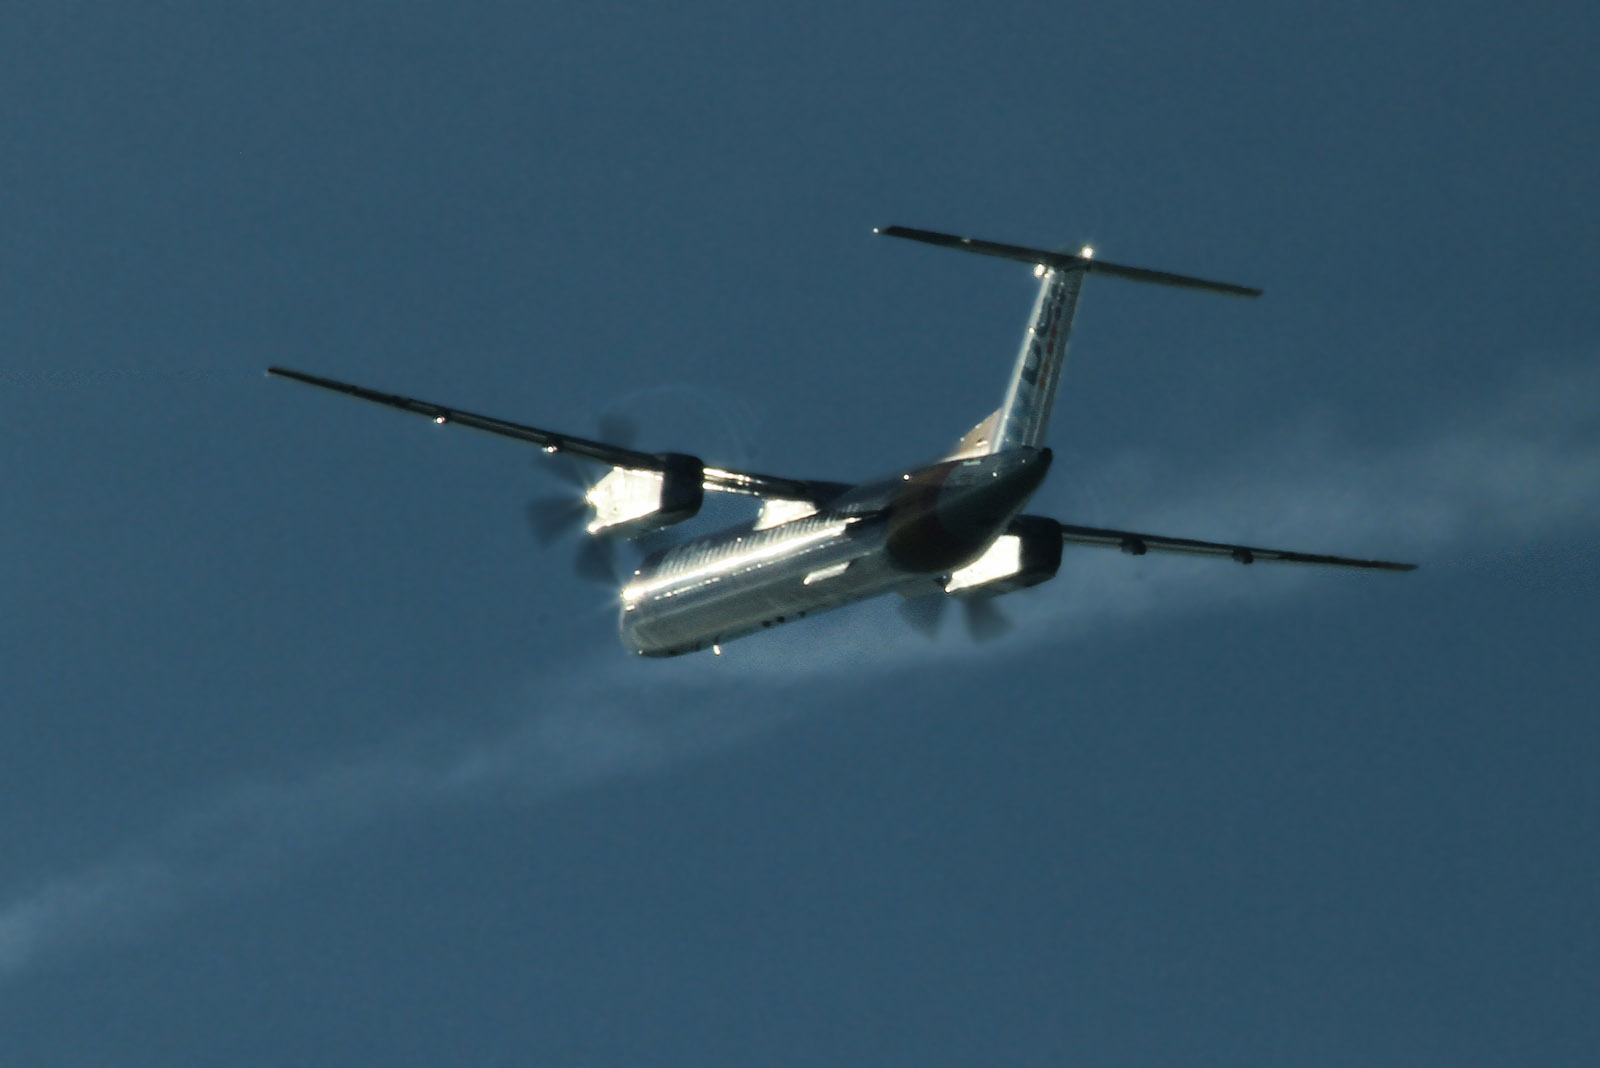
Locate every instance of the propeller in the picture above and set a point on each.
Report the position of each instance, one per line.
(985, 621)
(555, 516)
(983, 618)
(597, 561)
(618, 429)
(924, 613)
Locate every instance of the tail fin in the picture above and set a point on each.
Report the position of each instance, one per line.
(1025, 416)
(976, 441)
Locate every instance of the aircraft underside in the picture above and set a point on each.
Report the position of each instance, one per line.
(711, 591)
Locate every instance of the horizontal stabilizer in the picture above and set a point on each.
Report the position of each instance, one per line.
(1065, 260)
(1139, 544)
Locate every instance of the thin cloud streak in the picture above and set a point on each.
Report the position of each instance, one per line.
(591, 727)
(1527, 471)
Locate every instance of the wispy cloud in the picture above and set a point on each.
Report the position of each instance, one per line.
(595, 724)
(1529, 469)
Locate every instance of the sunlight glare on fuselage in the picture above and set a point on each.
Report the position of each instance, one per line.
(634, 591)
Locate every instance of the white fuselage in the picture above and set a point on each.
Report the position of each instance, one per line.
(712, 590)
(875, 538)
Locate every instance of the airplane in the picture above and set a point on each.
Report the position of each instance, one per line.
(949, 530)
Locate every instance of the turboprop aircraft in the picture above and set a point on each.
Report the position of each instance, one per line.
(951, 529)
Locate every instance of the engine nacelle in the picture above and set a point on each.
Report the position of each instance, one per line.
(630, 502)
(1028, 553)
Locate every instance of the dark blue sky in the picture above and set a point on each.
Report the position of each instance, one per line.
(310, 755)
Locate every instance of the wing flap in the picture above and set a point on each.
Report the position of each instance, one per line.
(717, 479)
(1138, 544)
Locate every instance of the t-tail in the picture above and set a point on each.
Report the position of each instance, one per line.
(1024, 417)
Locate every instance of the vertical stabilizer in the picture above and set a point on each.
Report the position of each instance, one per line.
(976, 441)
(1025, 416)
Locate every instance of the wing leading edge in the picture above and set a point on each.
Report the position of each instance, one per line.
(1139, 544)
(716, 478)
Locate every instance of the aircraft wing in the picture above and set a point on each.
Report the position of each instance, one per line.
(716, 478)
(1139, 544)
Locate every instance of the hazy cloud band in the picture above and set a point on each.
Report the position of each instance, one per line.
(1529, 470)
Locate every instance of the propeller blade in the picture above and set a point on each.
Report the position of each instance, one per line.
(554, 517)
(618, 429)
(924, 614)
(985, 620)
(566, 470)
(597, 562)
